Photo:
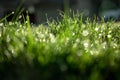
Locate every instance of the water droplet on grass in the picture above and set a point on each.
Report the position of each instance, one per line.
(85, 33)
(10, 23)
(86, 44)
(13, 12)
(1, 24)
(109, 36)
(96, 29)
(0, 35)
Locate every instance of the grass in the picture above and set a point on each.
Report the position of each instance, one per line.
(69, 49)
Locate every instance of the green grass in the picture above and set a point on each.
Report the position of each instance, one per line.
(64, 50)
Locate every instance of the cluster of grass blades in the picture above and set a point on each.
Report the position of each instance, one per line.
(65, 50)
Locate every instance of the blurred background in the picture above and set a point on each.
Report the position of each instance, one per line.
(40, 10)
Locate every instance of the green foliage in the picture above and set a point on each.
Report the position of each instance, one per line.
(65, 50)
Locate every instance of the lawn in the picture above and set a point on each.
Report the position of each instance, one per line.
(69, 49)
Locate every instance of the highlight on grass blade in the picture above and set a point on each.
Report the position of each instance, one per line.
(27, 19)
(18, 11)
(5, 18)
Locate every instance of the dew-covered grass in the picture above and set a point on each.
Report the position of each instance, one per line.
(90, 47)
